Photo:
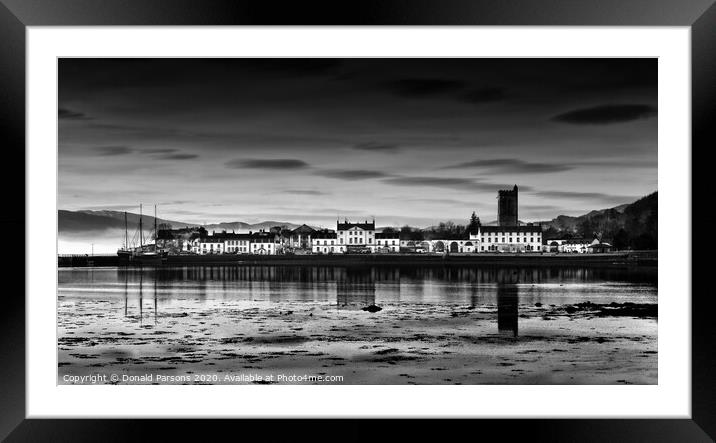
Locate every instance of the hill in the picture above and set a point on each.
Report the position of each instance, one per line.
(631, 225)
(75, 222)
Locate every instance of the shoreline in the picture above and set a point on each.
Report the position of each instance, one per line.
(621, 259)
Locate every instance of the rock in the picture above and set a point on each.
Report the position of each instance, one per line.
(372, 308)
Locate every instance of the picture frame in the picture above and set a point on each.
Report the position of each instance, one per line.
(17, 15)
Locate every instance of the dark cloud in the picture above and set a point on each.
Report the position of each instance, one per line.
(484, 95)
(67, 114)
(377, 147)
(351, 174)
(424, 87)
(113, 150)
(275, 163)
(606, 114)
(179, 156)
(159, 151)
(513, 165)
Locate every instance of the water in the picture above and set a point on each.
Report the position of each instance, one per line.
(472, 323)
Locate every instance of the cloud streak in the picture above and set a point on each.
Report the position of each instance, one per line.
(351, 174)
(178, 157)
(278, 163)
(512, 165)
(606, 114)
(113, 150)
(67, 114)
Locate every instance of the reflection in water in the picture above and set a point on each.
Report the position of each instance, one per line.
(508, 299)
(507, 303)
(355, 288)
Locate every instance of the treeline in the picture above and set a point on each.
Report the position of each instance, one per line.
(443, 231)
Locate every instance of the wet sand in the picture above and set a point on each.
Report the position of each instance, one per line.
(403, 343)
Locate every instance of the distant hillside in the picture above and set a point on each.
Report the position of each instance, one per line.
(571, 223)
(77, 222)
(634, 224)
(113, 219)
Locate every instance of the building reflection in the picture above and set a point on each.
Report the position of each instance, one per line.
(355, 288)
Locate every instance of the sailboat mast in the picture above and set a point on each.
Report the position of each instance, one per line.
(126, 236)
(155, 227)
(141, 233)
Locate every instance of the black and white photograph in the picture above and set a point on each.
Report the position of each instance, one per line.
(357, 221)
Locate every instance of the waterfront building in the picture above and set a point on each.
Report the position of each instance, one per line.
(576, 245)
(300, 237)
(232, 243)
(209, 244)
(237, 243)
(599, 247)
(264, 243)
(326, 242)
(520, 238)
(356, 236)
(387, 242)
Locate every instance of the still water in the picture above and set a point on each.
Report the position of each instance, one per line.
(347, 316)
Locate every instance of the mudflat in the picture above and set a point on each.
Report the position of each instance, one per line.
(232, 341)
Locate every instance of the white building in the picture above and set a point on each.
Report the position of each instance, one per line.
(210, 244)
(576, 246)
(387, 242)
(326, 242)
(231, 243)
(237, 243)
(356, 236)
(264, 243)
(523, 238)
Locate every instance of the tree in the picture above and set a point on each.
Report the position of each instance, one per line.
(586, 228)
(474, 222)
(621, 239)
(164, 227)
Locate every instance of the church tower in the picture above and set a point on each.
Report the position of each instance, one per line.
(507, 207)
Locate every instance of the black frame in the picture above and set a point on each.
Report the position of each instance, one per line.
(15, 15)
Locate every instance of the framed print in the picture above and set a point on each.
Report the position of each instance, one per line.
(255, 213)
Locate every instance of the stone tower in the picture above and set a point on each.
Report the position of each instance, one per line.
(507, 207)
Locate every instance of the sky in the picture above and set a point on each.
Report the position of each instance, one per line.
(407, 141)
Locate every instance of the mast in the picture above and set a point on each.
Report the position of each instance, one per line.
(155, 227)
(141, 234)
(126, 237)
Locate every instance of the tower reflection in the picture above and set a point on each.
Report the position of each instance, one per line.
(507, 302)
